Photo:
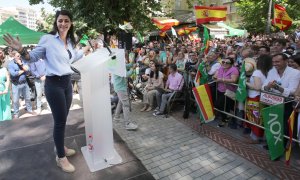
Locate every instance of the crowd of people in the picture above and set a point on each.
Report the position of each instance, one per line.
(21, 79)
(272, 66)
(157, 69)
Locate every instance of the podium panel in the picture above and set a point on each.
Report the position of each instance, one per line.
(99, 152)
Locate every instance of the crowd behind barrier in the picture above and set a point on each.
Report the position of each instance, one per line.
(164, 71)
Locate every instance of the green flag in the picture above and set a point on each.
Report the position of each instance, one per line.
(205, 40)
(241, 92)
(273, 122)
(84, 40)
(140, 37)
(201, 76)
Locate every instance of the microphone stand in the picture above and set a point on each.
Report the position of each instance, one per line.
(108, 49)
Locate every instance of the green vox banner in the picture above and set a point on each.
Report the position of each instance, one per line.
(273, 122)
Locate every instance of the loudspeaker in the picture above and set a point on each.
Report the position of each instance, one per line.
(124, 40)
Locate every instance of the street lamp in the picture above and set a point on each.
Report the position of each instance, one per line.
(269, 17)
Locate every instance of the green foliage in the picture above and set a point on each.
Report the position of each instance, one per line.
(106, 15)
(191, 3)
(45, 25)
(255, 13)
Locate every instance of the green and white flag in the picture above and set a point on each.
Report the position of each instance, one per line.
(84, 40)
(241, 92)
(174, 32)
(140, 37)
(273, 122)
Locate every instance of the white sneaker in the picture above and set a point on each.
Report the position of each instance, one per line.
(68, 152)
(65, 165)
(131, 126)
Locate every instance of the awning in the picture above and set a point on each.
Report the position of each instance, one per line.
(233, 31)
(15, 28)
(215, 27)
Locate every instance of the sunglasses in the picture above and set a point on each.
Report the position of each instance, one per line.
(226, 62)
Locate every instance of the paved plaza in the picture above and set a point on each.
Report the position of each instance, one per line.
(171, 150)
(162, 148)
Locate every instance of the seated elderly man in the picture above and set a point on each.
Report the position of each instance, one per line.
(174, 83)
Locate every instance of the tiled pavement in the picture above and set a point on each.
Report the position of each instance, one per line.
(171, 150)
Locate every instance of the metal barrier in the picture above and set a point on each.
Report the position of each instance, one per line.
(287, 100)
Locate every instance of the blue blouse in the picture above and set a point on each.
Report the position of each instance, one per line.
(52, 49)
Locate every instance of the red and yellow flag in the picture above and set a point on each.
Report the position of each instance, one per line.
(281, 18)
(186, 30)
(205, 14)
(162, 33)
(204, 100)
(289, 146)
(165, 24)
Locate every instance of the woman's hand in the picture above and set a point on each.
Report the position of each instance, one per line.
(12, 42)
(86, 49)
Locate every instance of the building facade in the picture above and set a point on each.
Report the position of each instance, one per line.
(25, 16)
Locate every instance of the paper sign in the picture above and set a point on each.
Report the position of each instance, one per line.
(271, 99)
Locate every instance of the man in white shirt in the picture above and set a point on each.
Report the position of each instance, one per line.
(212, 64)
(284, 80)
(281, 78)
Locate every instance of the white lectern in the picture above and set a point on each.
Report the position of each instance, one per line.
(94, 68)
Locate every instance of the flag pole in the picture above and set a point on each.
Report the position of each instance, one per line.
(269, 17)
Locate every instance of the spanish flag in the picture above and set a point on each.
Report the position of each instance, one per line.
(165, 24)
(205, 14)
(204, 100)
(281, 18)
(289, 145)
(186, 30)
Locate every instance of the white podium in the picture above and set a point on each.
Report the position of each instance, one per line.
(94, 68)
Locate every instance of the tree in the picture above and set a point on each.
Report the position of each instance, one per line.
(255, 12)
(106, 15)
(45, 22)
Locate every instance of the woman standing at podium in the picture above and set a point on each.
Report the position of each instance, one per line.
(58, 50)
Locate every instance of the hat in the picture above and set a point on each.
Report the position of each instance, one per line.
(250, 65)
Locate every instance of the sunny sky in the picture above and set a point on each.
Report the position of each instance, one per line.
(25, 3)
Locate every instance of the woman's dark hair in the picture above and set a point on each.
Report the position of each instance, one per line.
(156, 72)
(231, 59)
(173, 67)
(71, 30)
(264, 63)
(296, 59)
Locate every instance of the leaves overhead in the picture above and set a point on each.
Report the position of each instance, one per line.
(255, 13)
(106, 15)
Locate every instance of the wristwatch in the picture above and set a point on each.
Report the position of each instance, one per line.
(23, 51)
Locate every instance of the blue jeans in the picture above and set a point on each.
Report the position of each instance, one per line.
(58, 91)
(39, 88)
(17, 90)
